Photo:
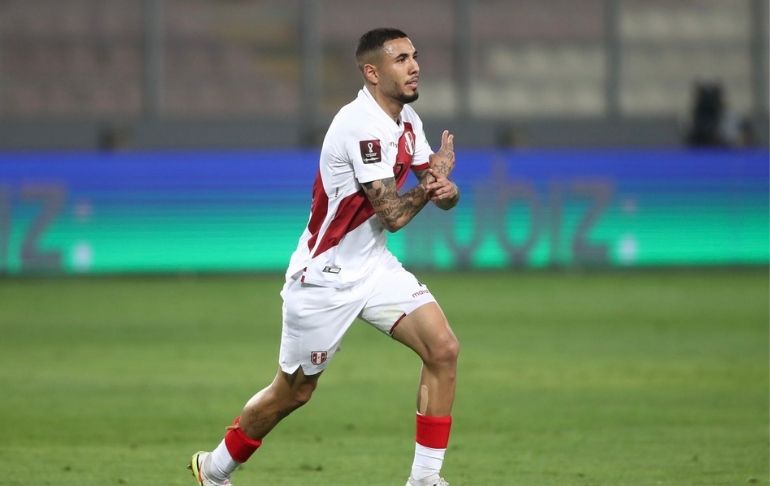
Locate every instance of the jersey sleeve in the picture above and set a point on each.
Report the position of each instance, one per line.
(368, 153)
(422, 151)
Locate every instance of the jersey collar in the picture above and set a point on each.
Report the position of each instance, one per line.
(367, 96)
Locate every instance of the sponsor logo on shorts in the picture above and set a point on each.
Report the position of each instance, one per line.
(317, 357)
(420, 292)
(371, 151)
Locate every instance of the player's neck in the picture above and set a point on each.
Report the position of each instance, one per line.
(390, 106)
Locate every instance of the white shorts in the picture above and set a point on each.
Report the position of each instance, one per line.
(316, 318)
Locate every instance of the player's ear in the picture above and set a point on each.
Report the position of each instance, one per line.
(370, 73)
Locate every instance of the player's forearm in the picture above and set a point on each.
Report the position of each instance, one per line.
(398, 213)
(393, 210)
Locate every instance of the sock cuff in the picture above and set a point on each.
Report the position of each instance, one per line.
(239, 445)
(433, 431)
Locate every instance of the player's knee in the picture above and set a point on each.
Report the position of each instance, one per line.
(444, 351)
(302, 394)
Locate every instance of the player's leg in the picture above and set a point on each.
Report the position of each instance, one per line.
(427, 332)
(285, 394)
(312, 331)
(404, 308)
(261, 413)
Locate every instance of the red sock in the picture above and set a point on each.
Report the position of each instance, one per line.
(239, 445)
(432, 431)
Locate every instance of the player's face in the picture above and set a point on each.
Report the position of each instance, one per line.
(399, 71)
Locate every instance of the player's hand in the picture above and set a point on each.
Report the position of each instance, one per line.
(440, 188)
(443, 161)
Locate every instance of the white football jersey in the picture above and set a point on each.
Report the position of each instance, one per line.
(344, 240)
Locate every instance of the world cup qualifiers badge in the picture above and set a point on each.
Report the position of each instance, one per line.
(370, 151)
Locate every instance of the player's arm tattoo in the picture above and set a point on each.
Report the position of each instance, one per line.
(442, 162)
(423, 176)
(393, 210)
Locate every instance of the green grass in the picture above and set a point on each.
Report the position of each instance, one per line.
(638, 378)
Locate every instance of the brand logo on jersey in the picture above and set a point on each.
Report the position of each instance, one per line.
(317, 357)
(371, 151)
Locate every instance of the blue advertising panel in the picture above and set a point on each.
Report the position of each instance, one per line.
(176, 211)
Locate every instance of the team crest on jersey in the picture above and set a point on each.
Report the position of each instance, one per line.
(406, 145)
(409, 142)
(317, 357)
(371, 151)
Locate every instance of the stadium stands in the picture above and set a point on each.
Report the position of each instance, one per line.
(527, 59)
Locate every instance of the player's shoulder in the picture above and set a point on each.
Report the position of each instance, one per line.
(354, 120)
(350, 115)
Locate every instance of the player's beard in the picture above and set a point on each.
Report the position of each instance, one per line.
(405, 98)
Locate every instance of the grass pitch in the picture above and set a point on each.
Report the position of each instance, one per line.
(620, 378)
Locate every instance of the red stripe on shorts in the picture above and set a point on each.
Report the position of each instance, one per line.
(393, 327)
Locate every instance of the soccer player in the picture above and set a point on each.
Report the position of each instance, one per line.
(342, 269)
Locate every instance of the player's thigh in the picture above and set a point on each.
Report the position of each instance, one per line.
(314, 321)
(427, 331)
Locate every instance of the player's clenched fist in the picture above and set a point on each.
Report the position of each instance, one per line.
(443, 192)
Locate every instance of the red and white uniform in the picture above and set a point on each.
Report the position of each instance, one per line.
(341, 269)
(344, 240)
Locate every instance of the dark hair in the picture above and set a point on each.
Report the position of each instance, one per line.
(375, 39)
